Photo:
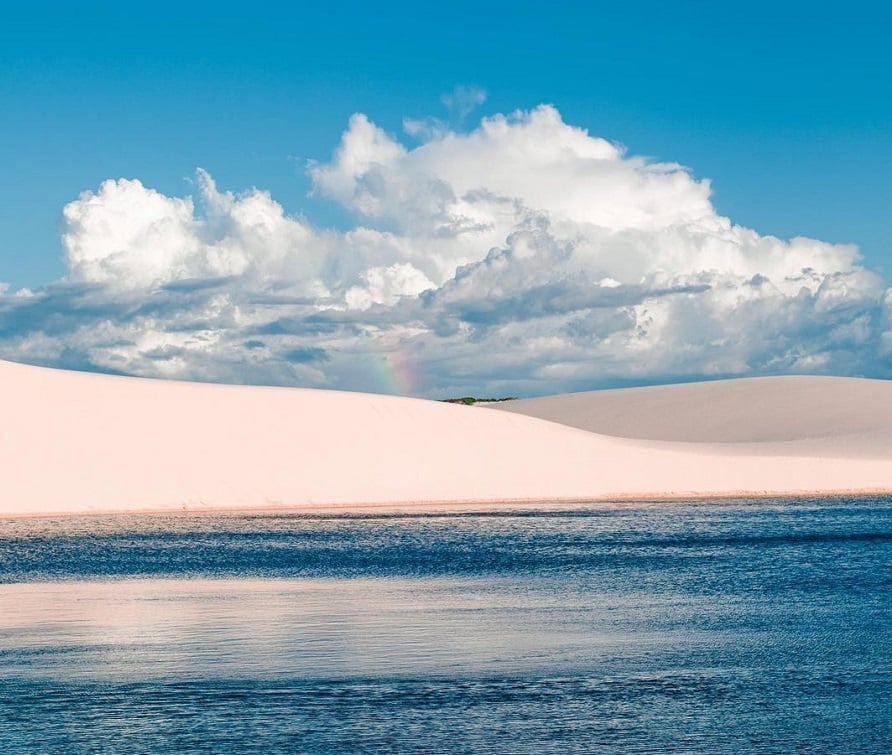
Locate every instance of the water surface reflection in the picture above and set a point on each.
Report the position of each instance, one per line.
(138, 629)
(746, 626)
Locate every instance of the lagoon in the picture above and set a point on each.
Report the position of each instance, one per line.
(725, 626)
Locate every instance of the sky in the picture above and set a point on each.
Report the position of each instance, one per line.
(487, 199)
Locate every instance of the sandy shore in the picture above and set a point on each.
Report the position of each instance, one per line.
(443, 508)
(78, 442)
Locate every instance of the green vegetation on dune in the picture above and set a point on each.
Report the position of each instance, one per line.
(471, 400)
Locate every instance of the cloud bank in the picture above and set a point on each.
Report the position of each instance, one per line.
(524, 256)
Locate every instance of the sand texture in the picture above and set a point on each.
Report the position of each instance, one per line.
(76, 442)
(821, 416)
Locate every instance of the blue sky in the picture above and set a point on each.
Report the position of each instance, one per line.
(784, 107)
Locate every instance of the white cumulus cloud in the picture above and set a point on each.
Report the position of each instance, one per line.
(522, 256)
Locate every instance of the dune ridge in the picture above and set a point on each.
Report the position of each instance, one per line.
(796, 415)
(80, 442)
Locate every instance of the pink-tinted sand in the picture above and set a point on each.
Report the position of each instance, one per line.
(76, 442)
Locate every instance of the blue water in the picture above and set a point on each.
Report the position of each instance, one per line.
(736, 626)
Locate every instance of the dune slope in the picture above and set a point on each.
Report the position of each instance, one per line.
(824, 416)
(78, 442)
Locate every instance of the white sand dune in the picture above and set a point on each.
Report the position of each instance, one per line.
(794, 415)
(798, 415)
(78, 442)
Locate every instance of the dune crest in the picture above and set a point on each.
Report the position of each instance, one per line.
(802, 415)
(80, 442)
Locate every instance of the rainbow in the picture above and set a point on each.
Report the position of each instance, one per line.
(393, 373)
